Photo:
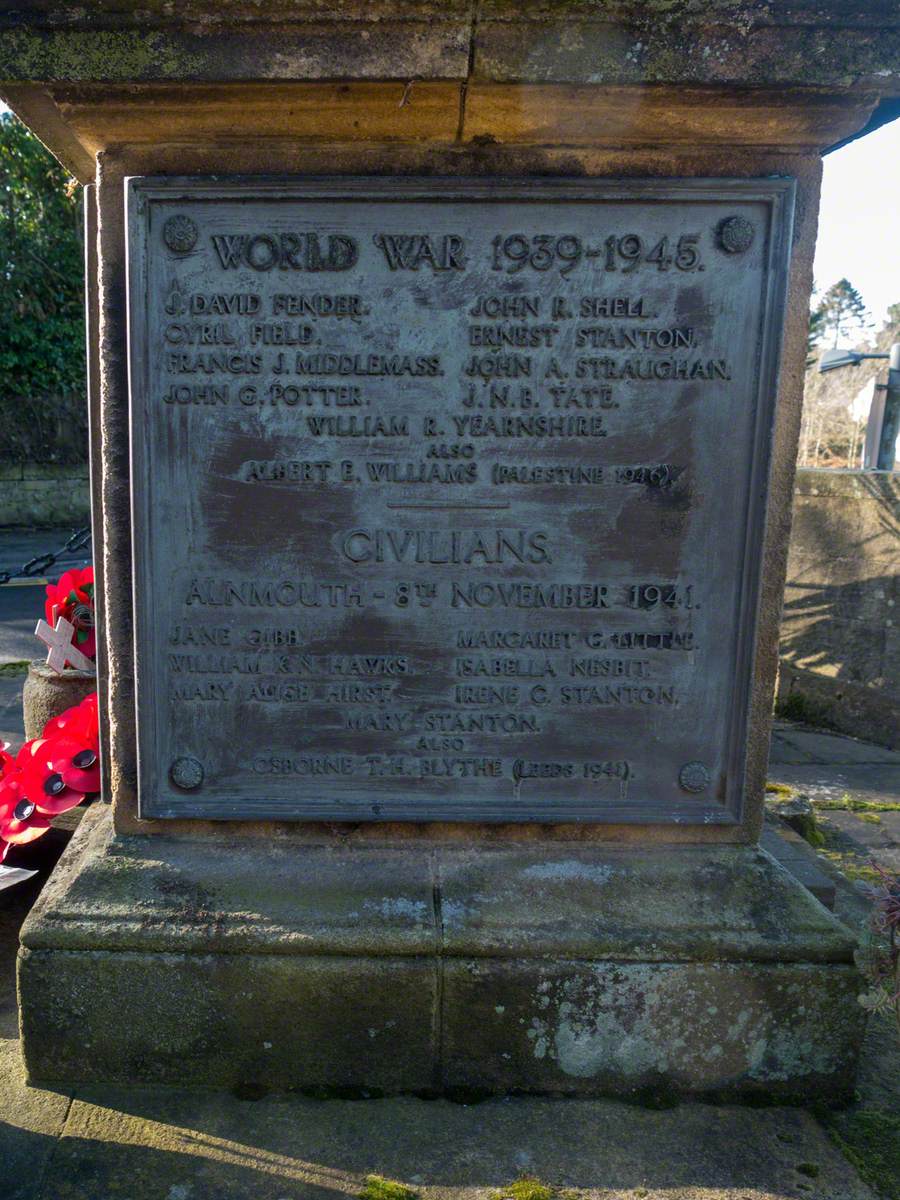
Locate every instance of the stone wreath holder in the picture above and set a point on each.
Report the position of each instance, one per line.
(48, 692)
(60, 682)
(443, 957)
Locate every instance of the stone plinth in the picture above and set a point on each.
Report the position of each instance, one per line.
(452, 955)
(569, 970)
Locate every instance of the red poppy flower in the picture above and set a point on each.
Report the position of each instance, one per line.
(20, 820)
(49, 768)
(7, 760)
(76, 762)
(79, 722)
(49, 775)
(72, 597)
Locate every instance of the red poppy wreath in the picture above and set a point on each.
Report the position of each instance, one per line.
(49, 775)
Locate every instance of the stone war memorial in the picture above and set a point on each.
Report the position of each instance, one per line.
(445, 375)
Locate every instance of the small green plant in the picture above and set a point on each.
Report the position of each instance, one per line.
(779, 789)
(525, 1188)
(378, 1188)
(879, 954)
(12, 670)
(810, 1170)
(797, 706)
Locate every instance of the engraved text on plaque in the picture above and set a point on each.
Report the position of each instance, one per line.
(448, 496)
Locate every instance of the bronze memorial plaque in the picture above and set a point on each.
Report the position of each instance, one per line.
(448, 495)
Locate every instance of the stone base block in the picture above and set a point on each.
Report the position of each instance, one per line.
(547, 968)
(654, 1029)
(230, 1020)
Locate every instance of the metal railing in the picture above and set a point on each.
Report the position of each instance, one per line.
(41, 563)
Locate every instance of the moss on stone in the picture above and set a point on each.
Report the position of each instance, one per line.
(870, 1139)
(854, 868)
(808, 829)
(779, 789)
(654, 41)
(852, 859)
(810, 1170)
(102, 54)
(525, 1188)
(796, 811)
(378, 1188)
(848, 803)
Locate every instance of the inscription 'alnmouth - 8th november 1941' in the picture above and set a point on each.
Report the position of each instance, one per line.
(449, 500)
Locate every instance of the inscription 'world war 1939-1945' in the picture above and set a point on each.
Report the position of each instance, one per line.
(447, 498)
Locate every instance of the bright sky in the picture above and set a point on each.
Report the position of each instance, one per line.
(858, 235)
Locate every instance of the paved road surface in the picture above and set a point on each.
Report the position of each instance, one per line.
(834, 770)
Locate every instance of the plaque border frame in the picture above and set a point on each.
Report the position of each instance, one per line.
(778, 192)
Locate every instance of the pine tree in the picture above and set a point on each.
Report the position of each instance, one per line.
(814, 334)
(841, 312)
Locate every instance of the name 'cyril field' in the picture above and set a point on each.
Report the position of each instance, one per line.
(447, 500)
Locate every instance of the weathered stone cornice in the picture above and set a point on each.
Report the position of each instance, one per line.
(822, 43)
(769, 73)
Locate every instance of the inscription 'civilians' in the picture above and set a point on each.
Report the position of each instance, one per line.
(448, 496)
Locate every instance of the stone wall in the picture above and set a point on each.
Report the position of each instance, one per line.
(31, 494)
(840, 639)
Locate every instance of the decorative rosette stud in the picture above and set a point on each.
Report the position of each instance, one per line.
(186, 773)
(693, 777)
(180, 233)
(734, 235)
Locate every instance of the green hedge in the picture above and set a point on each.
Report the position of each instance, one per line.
(43, 415)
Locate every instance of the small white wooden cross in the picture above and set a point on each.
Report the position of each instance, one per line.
(59, 643)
